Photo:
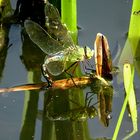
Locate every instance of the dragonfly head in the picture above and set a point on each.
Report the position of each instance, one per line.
(88, 52)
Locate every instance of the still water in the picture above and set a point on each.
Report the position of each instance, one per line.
(22, 65)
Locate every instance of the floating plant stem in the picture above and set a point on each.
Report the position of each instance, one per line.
(58, 84)
(69, 14)
(128, 74)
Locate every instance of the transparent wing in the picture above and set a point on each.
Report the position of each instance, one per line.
(43, 40)
(55, 28)
(51, 12)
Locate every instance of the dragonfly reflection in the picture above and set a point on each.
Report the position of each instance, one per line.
(105, 105)
(56, 42)
(81, 113)
(104, 97)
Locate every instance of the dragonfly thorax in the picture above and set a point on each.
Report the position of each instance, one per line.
(79, 54)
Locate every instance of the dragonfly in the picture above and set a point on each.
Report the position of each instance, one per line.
(56, 42)
(80, 113)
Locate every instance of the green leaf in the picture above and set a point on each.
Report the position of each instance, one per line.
(130, 95)
(130, 99)
(134, 33)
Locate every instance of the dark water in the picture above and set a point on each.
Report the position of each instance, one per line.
(108, 17)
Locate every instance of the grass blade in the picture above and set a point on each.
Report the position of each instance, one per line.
(134, 33)
(128, 84)
(128, 74)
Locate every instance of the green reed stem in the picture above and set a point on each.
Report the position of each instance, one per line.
(69, 14)
(134, 28)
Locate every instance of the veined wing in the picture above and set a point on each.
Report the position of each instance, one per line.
(51, 12)
(43, 40)
(55, 28)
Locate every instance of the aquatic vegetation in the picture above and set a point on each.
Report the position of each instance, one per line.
(129, 99)
(127, 60)
(60, 50)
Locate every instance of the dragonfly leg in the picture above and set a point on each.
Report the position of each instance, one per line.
(90, 66)
(71, 78)
(73, 64)
(71, 75)
(48, 79)
(88, 98)
(89, 71)
(86, 63)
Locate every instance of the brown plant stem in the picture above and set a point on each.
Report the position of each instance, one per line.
(59, 84)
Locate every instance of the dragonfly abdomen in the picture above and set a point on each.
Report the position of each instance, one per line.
(54, 64)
